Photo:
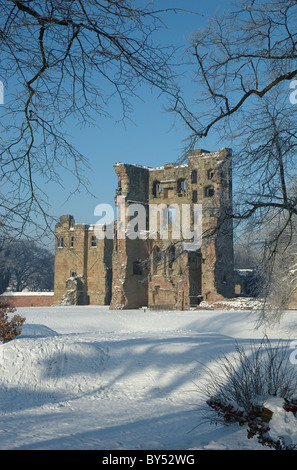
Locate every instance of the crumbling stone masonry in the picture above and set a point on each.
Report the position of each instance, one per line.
(156, 272)
(82, 264)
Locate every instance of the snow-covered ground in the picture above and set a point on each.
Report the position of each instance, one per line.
(91, 378)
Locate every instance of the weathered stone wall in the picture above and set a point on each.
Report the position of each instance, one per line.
(214, 171)
(129, 285)
(156, 271)
(70, 256)
(99, 269)
(130, 274)
(206, 180)
(83, 260)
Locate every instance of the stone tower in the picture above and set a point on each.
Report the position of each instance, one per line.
(154, 268)
(83, 264)
(158, 272)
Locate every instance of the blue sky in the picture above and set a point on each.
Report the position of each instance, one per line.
(152, 139)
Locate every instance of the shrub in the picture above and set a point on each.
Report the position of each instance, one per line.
(9, 327)
(254, 420)
(248, 378)
(236, 387)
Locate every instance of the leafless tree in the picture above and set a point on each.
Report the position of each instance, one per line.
(26, 265)
(245, 61)
(238, 59)
(67, 59)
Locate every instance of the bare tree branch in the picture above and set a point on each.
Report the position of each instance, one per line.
(68, 59)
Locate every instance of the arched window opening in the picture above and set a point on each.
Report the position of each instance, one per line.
(209, 191)
(137, 268)
(210, 174)
(181, 186)
(156, 188)
(171, 215)
(93, 241)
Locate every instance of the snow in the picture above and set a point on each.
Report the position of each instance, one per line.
(283, 423)
(88, 378)
(239, 303)
(150, 168)
(26, 293)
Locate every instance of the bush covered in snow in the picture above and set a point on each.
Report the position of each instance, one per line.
(239, 387)
(9, 327)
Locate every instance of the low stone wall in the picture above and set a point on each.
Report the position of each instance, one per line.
(30, 299)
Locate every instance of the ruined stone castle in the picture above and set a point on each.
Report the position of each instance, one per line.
(152, 270)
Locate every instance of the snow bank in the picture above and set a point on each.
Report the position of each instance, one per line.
(283, 424)
(239, 303)
(90, 378)
(27, 293)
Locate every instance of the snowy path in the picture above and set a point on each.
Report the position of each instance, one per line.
(88, 378)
